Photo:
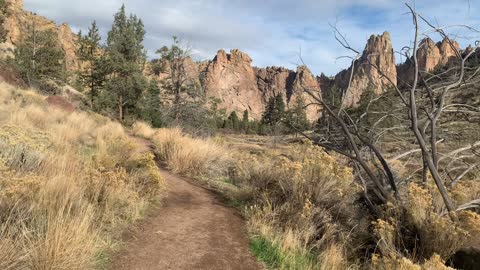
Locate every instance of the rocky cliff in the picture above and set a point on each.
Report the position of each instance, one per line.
(19, 22)
(239, 86)
(430, 56)
(377, 56)
(231, 79)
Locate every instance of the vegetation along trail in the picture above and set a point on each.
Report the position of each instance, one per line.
(191, 230)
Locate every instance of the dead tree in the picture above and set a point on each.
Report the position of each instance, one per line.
(420, 108)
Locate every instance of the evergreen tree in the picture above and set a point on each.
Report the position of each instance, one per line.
(274, 111)
(92, 74)
(233, 118)
(267, 117)
(126, 58)
(172, 61)
(279, 110)
(152, 105)
(297, 117)
(39, 57)
(245, 124)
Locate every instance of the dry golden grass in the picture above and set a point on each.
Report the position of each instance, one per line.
(69, 182)
(143, 130)
(186, 155)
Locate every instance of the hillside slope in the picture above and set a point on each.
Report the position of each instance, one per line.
(69, 183)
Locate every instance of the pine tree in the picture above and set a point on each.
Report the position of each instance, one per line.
(296, 118)
(126, 58)
(279, 110)
(274, 111)
(172, 61)
(233, 118)
(245, 124)
(38, 57)
(152, 105)
(92, 74)
(267, 117)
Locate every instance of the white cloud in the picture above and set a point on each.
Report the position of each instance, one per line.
(271, 31)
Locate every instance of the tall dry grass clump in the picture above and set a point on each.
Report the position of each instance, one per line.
(185, 154)
(69, 183)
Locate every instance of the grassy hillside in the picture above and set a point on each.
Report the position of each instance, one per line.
(69, 183)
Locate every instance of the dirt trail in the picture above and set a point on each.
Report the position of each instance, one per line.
(191, 230)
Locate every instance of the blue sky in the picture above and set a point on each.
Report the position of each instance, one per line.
(272, 32)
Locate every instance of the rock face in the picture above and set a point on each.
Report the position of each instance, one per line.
(378, 52)
(304, 80)
(231, 79)
(239, 86)
(19, 22)
(430, 55)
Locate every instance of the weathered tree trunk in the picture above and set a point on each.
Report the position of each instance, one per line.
(120, 108)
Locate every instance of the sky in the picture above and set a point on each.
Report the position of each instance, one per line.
(273, 32)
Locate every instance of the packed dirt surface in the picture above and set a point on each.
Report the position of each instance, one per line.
(192, 229)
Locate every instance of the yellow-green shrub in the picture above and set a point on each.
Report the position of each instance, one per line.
(304, 201)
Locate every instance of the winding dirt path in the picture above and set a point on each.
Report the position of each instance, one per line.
(191, 230)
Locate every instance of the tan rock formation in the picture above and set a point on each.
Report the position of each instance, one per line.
(430, 56)
(290, 85)
(272, 81)
(378, 52)
(19, 22)
(231, 79)
(239, 86)
(304, 80)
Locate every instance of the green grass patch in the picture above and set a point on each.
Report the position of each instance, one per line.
(274, 257)
(266, 252)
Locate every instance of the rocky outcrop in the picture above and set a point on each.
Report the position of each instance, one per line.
(304, 80)
(290, 85)
(379, 53)
(231, 79)
(19, 23)
(272, 81)
(430, 56)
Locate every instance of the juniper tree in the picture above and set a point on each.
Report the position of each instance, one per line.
(126, 57)
(233, 118)
(38, 56)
